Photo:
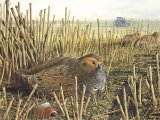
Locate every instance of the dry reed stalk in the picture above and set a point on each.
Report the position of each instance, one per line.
(129, 101)
(125, 103)
(1, 14)
(82, 102)
(121, 108)
(8, 109)
(6, 62)
(64, 104)
(140, 92)
(99, 40)
(73, 108)
(9, 73)
(23, 55)
(25, 35)
(147, 84)
(111, 61)
(52, 36)
(94, 99)
(135, 98)
(37, 32)
(132, 81)
(76, 98)
(28, 58)
(43, 25)
(15, 18)
(28, 99)
(2, 34)
(5, 95)
(30, 12)
(28, 110)
(65, 25)
(134, 71)
(158, 75)
(154, 100)
(1, 103)
(33, 35)
(39, 42)
(18, 109)
(40, 25)
(16, 62)
(2, 75)
(20, 58)
(5, 49)
(10, 30)
(12, 34)
(4, 10)
(87, 103)
(48, 16)
(89, 30)
(27, 20)
(73, 36)
(19, 14)
(46, 35)
(30, 40)
(59, 104)
(7, 25)
(30, 51)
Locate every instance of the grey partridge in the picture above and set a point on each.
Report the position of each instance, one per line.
(61, 71)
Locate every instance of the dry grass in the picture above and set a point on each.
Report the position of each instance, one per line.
(25, 42)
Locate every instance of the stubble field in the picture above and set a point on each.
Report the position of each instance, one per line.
(25, 42)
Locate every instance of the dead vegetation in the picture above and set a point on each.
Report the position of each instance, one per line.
(25, 42)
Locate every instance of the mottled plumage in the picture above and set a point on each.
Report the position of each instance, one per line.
(130, 39)
(62, 71)
(148, 40)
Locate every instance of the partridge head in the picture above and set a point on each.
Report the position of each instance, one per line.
(92, 74)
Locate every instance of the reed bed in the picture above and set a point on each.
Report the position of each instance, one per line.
(26, 42)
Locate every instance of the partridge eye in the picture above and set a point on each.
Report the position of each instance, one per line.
(93, 62)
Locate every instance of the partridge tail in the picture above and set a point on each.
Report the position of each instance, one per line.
(22, 78)
(28, 81)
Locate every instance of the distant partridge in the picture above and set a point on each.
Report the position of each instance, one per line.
(130, 39)
(148, 40)
(61, 71)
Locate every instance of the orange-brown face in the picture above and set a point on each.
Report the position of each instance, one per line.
(91, 62)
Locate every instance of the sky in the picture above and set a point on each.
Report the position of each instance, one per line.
(93, 9)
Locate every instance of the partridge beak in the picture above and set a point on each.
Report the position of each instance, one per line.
(99, 67)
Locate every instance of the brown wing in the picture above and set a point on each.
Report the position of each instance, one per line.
(46, 65)
(51, 79)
